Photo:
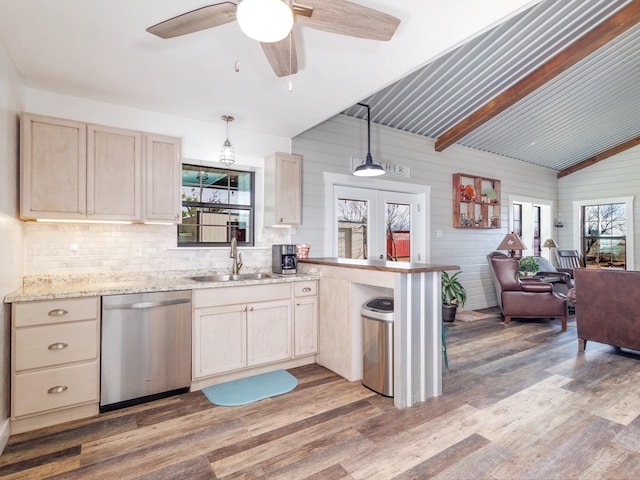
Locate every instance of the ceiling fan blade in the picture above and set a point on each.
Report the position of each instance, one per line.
(282, 56)
(348, 18)
(196, 20)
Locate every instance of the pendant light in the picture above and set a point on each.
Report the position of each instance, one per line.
(227, 154)
(265, 20)
(368, 168)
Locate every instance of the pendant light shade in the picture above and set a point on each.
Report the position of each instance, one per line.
(265, 20)
(368, 168)
(227, 153)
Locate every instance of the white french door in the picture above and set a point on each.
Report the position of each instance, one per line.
(377, 224)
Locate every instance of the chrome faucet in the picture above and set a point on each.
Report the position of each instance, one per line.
(237, 257)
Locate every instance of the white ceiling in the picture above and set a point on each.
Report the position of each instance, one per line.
(99, 49)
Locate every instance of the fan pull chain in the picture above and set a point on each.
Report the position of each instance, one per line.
(290, 62)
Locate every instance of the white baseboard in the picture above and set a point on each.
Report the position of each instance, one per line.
(5, 431)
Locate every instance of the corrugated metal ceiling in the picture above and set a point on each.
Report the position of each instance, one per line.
(589, 108)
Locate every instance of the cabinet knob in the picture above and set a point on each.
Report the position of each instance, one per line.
(298, 303)
(251, 309)
(281, 220)
(58, 346)
(57, 312)
(244, 309)
(57, 389)
(306, 289)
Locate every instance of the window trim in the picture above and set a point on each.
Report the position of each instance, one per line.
(577, 223)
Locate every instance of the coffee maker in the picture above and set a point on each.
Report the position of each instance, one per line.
(283, 259)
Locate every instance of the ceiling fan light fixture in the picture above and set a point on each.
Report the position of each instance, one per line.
(266, 21)
(227, 153)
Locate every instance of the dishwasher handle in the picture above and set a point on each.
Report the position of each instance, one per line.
(141, 305)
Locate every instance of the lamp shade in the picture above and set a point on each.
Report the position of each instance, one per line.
(265, 20)
(511, 242)
(550, 243)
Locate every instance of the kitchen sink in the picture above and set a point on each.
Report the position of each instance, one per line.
(227, 277)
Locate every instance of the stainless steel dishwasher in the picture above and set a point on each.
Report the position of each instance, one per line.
(146, 347)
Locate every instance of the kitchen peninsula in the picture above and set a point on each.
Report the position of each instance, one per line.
(345, 284)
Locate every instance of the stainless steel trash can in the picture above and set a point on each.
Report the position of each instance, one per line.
(377, 345)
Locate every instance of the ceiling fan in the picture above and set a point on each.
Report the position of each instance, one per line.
(334, 16)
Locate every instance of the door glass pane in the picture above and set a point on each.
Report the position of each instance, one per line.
(352, 228)
(398, 232)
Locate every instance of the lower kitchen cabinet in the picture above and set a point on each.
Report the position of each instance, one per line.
(55, 367)
(305, 315)
(219, 340)
(232, 335)
(268, 332)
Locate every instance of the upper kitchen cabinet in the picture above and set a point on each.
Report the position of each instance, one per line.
(53, 172)
(114, 159)
(74, 171)
(283, 190)
(163, 172)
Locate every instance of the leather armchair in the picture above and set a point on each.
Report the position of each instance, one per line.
(524, 298)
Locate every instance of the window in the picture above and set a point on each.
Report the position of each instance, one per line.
(531, 220)
(217, 205)
(604, 235)
(517, 225)
(536, 231)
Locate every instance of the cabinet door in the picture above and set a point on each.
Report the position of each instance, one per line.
(283, 189)
(305, 326)
(268, 332)
(164, 178)
(289, 189)
(53, 169)
(219, 340)
(114, 168)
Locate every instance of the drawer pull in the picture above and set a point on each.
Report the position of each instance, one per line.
(57, 389)
(58, 346)
(306, 289)
(57, 312)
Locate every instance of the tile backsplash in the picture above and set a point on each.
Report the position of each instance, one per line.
(57, 249)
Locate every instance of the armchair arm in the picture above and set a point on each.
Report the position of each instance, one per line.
(563, 276)
(568, 271)
(536, 287)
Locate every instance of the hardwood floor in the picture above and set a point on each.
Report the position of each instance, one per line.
(519, 402)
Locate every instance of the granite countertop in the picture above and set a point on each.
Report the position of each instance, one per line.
(380, 265)
(69, 286)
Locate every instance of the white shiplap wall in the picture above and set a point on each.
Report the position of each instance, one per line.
(330, 146)
(618, 176)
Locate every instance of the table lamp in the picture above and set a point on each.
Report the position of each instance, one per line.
(511, 242)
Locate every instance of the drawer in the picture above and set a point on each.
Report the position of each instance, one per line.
(305, 289)
(36, 392)
(55, 311)
(49, 345)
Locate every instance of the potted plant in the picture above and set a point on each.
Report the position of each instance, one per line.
(528, 267)
(453, 295)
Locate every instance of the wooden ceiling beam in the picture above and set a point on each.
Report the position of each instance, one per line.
(614, 26)
(599, 157)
